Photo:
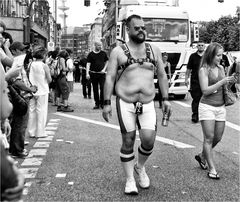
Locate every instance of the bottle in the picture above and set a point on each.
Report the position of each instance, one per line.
(165, 117)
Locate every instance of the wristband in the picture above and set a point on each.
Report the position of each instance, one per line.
(107, 102)
(165, 99)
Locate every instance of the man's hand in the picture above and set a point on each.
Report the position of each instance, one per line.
(15, 193)
(107, 112)
(167, 106)
(13, 72)
(7, 127)
(33, 89)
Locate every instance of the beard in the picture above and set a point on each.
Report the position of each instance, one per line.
(137, 39)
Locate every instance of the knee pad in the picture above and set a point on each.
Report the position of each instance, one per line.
(126, 155)
(145, 151)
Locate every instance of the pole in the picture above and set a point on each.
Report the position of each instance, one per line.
(29, 19)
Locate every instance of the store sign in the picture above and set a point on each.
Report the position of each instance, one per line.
(50, 46)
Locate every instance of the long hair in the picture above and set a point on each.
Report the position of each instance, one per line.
(209, 54)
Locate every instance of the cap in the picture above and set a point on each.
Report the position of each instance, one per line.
(17, 46)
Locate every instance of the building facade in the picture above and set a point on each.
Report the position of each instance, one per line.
(27, 20)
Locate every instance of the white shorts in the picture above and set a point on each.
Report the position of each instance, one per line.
(128, 119)
(208, 112)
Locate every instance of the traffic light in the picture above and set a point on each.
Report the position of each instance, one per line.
(86, 2)
(195, 32)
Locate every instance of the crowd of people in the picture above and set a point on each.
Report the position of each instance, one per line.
(32, 76)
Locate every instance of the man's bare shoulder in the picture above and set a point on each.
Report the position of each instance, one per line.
(116, 51)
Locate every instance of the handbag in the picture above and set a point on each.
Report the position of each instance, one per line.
(20, 105)
(229, 97)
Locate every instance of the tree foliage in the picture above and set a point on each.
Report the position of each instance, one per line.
(225, 31)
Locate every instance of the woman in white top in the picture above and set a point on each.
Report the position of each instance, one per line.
(39, 75)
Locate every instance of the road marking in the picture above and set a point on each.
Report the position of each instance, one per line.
(235, 153)
(48, 138)
(229, 124)
(232, 125)
(52, 124)
(29, 172)
(47, 132)
(32, 162)
(158, 138)
(61, 175)
(38, 152)
(50, 128)
(41, 144)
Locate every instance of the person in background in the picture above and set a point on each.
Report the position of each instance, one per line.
(135, 92)
(5, 53)
(212, 111)
(70, 68)
(12, 181)
(39, 75)
(96, 66)
(167, 67)
(77, 72)
(225, 62)
(192, 69)
(22, 84)
(86, 83)
(62, 88)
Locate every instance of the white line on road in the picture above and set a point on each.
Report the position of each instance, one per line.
(229, 124)
(158, 138)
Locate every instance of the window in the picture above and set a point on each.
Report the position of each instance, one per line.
(167, 29)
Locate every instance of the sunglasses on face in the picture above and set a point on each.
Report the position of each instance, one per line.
(137, 28)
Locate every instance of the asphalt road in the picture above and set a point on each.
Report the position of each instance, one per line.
(79, 161)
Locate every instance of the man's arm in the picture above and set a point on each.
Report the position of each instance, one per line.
(109, 82)
(188, 71)
(161, 73)
(87, 70)
(162, 79)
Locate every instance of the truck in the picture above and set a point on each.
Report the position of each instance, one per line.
(167, 26)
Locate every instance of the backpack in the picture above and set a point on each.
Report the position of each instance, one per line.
(54, 68)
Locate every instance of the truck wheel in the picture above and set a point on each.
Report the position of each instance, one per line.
(179, 97)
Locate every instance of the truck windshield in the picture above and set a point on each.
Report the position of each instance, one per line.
(175, 30)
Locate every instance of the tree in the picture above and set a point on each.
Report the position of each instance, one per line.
(224, 31)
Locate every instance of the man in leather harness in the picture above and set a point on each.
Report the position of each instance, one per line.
(132, 65)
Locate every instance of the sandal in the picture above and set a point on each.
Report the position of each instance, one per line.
(214, 176)
(202, 164)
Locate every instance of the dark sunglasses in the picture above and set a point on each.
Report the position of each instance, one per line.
(136, 28)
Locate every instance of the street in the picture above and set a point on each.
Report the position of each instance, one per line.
(79, 160)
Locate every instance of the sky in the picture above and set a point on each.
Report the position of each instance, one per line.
(204, 10)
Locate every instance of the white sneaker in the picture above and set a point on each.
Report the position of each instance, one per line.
(144, 180)
(130, 187)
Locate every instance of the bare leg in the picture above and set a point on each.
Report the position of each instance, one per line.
(208, 127)
(218, 132)
(147, 138)
(127, 153)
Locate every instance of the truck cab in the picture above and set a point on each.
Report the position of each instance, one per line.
(167, 27)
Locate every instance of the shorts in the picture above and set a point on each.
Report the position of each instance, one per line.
(62, 88)
(208, 112)
(70, 84)
(128, 119)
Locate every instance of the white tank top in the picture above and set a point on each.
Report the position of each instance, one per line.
(37, 77)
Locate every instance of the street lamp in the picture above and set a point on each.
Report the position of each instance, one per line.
(28, 27)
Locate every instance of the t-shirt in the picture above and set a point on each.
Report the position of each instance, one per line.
(97, 60)
(193, 64)
(70, 68)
